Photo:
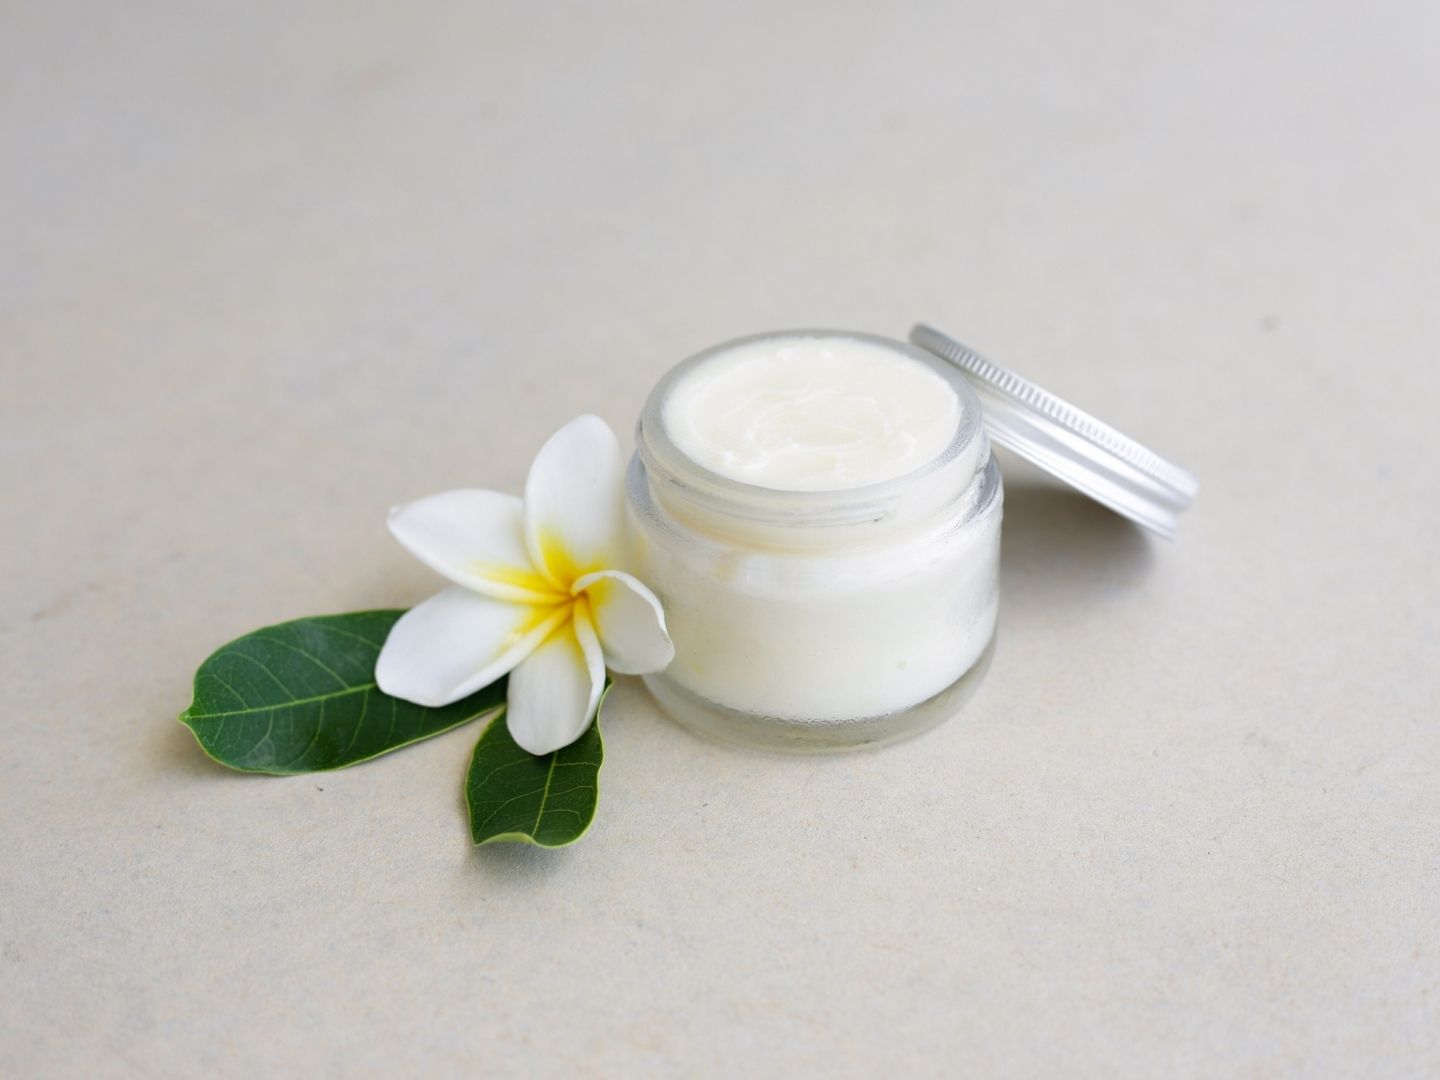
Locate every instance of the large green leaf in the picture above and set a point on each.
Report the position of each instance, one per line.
(301, 697)
(548, 801)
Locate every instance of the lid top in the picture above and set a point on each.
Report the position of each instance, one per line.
(1067, 442)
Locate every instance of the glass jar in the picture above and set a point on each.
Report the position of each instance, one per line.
(811, 620)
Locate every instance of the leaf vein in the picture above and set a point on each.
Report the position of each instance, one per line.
(268, 673)
(319, 726)
(262, 636)
(360, 723)
(359, 688)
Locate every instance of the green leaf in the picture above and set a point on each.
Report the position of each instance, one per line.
(301, 697)
(548, 801)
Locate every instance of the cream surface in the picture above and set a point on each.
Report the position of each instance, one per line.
(812, 413)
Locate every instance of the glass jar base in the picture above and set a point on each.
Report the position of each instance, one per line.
(815, 737)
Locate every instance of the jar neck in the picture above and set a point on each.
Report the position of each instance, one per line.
(955, 491)
(932, 495)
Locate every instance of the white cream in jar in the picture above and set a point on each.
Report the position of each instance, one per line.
(819, 512)
(811, 413)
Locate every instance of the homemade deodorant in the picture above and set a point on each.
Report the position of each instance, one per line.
(819, 513)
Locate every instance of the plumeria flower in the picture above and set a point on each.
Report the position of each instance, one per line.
(537, 593)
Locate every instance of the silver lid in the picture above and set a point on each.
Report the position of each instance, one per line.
(1090, 456)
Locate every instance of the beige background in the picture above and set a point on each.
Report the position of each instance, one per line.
(268, 268)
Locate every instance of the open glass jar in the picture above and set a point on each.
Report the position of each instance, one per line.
(818, 619)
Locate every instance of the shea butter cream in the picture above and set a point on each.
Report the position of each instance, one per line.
(806, 413)
(819, 513)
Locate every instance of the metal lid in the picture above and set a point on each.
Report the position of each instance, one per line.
(1088, 455)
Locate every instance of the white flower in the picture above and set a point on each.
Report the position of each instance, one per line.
(537, 593)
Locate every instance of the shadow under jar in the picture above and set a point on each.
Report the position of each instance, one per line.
(819, 513)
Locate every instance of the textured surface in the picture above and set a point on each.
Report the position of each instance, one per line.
(270, 268)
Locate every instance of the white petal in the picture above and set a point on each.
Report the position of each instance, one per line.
(574, 502)
(476, 539)
(629, 621)
(553, 694)
(457, 642)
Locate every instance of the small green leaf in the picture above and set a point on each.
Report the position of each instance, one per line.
(548, 801)
(301, 697)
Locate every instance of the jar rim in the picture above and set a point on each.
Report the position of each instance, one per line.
(663, 459)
